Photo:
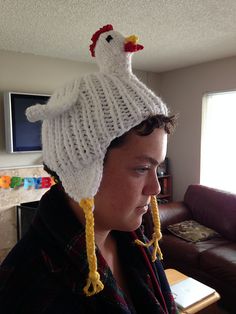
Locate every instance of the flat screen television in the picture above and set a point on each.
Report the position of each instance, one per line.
(21, 135)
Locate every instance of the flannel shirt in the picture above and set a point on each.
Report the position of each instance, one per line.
(47, 269)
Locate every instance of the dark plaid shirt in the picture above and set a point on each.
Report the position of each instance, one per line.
(47, 270)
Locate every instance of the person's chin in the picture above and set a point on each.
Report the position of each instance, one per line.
(130, 225)
(135, 225)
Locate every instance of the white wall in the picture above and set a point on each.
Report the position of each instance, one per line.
(34, 74)
(183, 90)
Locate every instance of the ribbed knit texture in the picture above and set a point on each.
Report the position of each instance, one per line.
(82, 118)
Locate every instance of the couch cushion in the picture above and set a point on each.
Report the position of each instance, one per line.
(192, 231)
(220, 262)
(213, 208)
(180, 251)
(173, 212)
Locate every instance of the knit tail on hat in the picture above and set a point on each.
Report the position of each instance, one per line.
(60, 102)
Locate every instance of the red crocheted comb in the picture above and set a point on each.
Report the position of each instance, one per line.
(96, 35)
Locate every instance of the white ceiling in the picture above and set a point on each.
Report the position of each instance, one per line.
(175, 33)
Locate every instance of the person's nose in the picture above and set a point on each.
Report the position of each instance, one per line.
(152, 186)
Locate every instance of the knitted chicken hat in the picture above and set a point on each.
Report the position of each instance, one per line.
(81, 119)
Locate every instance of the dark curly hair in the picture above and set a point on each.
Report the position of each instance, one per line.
(146, 127)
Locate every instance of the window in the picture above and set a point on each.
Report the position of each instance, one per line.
(218, 144)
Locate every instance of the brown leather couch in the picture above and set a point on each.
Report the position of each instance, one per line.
(212, 262)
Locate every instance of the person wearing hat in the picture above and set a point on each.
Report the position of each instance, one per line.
(103, 137)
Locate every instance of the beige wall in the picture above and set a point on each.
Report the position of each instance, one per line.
(183, 90)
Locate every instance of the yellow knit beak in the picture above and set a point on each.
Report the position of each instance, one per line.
(133, 39)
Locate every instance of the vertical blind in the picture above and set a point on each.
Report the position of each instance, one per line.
(218, 142)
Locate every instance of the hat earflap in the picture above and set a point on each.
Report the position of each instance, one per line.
(94, 284)
(156, 236)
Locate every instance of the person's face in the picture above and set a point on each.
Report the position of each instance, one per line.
(129, 180)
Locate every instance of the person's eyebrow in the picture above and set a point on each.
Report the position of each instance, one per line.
(149, 159)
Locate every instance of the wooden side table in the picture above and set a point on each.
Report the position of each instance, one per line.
(174, 276)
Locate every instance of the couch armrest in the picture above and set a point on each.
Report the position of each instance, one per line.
(173, 212)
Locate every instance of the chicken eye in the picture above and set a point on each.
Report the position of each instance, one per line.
(109, 38)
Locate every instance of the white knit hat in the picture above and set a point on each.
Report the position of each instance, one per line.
(81, 120)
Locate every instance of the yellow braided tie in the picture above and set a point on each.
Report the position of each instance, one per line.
(94, 284)
(156, 236)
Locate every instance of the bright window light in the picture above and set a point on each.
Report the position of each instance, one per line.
(218, 143)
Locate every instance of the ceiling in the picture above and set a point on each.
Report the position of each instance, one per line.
(175, 33)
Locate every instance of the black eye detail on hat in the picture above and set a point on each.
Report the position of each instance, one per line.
(109, 38)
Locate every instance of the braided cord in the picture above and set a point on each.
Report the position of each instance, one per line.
(156, 236)
(94, 284)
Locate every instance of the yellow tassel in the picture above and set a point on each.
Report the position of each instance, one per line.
(94, 284)
(156, 236)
